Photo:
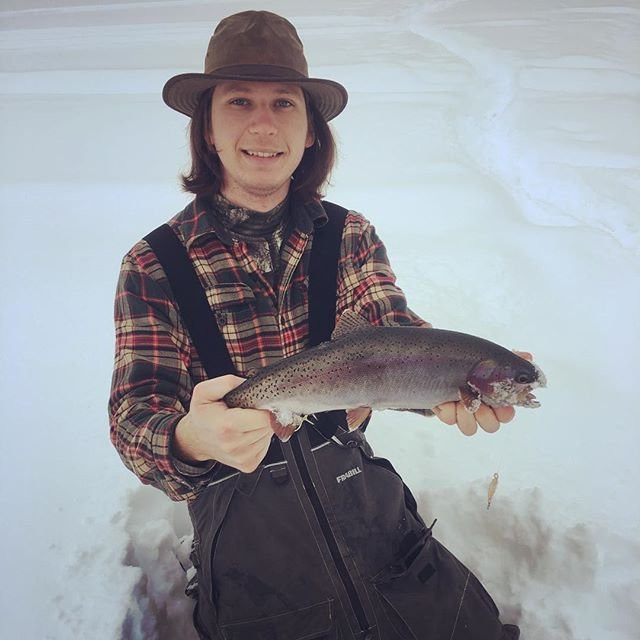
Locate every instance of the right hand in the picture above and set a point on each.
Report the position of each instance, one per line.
(238, 438)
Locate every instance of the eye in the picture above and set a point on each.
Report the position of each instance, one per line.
(284, 103)
(523, 377)
(240, 102)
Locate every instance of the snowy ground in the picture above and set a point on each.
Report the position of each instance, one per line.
(496, 147)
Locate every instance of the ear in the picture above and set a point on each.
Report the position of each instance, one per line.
(311, 138)
(211, 141)
(209, 136)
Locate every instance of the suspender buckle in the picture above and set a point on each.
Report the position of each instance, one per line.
(280, 474)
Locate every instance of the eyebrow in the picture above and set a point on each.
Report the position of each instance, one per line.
(243, 88)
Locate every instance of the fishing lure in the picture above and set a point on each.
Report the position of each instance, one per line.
(493, 485)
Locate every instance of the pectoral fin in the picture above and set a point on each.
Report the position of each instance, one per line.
(286, 424)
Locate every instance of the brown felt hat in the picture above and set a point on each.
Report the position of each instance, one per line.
(256, 46)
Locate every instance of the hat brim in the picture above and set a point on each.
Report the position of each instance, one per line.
(183, 92)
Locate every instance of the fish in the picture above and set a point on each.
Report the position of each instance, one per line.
(404, 368)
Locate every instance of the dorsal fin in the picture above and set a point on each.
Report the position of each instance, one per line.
(349, 322)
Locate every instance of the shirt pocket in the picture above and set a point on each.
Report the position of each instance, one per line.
(232, 303)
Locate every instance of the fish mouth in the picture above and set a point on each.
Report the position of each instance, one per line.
(525, 398)
(509, 392)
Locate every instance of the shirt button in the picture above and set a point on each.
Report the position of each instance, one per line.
(221, 318)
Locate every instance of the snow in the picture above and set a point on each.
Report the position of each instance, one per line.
(494, 145)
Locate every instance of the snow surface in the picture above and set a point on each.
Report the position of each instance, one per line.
(495, 145)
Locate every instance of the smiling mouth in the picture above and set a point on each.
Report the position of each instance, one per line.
(262, 154)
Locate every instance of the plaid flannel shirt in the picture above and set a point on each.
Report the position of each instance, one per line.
(156, 366)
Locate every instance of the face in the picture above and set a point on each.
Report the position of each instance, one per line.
(260, 131)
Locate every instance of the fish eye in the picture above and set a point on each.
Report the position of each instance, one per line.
(523, 377)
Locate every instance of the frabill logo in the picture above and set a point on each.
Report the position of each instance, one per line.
(349, 474)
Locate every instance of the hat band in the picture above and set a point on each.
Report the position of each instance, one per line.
(268, 71)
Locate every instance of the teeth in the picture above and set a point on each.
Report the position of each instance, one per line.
(263, 154)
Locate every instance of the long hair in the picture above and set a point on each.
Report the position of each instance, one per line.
(310, 177)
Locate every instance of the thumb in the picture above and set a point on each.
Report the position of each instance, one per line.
(215, 389)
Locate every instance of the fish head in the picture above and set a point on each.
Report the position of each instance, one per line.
(507, 380)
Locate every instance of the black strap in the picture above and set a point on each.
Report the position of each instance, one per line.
(323, 274)
(203, 328)
(323, 296)
(192, 301)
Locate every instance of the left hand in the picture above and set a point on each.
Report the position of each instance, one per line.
(487, 418)
(356, 417)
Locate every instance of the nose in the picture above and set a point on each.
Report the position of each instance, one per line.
(263, 122)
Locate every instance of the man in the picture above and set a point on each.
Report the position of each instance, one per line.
(315, 537)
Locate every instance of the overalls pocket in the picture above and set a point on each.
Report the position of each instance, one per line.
(247, 549)
(315, 622)
(435, 595)
(208, 513)
(370, 504)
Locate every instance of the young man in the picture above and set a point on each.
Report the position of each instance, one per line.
(315, 537)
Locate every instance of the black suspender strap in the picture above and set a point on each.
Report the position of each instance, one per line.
(323, 294)
(323, 274)
(192, 301)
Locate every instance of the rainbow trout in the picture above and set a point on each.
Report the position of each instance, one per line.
(404, 368)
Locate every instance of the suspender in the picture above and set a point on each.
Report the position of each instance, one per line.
(192, 301)
(201, 323)
(323, 274)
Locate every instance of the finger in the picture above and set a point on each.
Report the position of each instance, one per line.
(355, 417)
(466, 420)
(504, 414)
(524, 354)
(446, 412)
(215, 389)
(248, 459)
(487, 419)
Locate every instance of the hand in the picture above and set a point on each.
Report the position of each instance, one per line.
(488, 418)
(238, 438)
(356, 417)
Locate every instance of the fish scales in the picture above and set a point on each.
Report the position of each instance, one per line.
(389, 368)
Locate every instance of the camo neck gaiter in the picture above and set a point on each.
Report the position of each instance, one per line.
(263, 232)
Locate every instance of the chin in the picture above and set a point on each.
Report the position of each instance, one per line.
(268, 188)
